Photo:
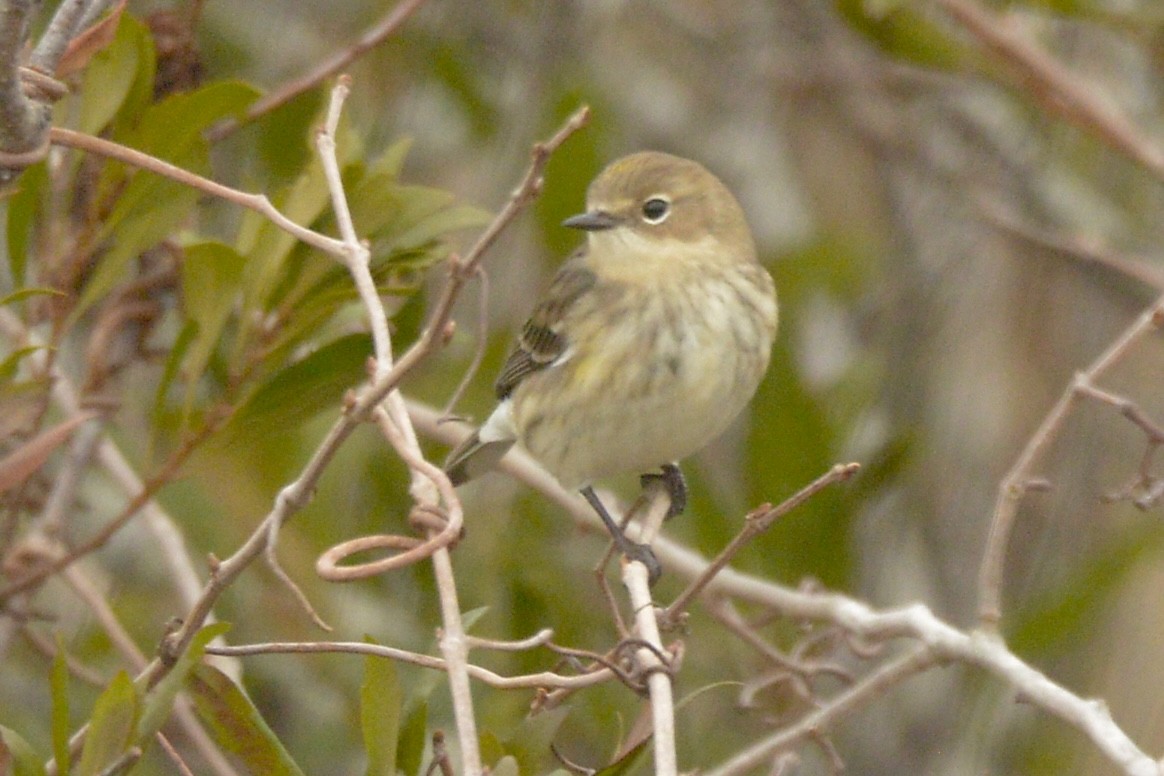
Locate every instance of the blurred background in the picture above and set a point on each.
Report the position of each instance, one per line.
(947, 256)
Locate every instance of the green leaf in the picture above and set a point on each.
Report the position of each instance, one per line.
(629, 761)
(141, 91)
(283, 145)
(472, 617)
(110, 76)
(12, 361)
(391, 161)
(160, 700)
(211, 276)
(152, 207)
(530, 742)
(267, 247)
(396, 217)
(22, 210)
(813, 540)
(380, 708)
(465, 83)
(170, 372)
(111, 726)
(59, 690)
(17, 757)
(412, 742)
(170, 127)
(1066, 615)
(437, 224)
(27, 293)
(306, 388)
(236, 725)
(903, 33)
(137, 223)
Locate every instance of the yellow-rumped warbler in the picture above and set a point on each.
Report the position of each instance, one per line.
(649, 341)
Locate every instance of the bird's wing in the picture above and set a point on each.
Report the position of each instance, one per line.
(542, 341)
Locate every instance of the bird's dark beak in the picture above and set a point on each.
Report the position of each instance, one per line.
(594, 221)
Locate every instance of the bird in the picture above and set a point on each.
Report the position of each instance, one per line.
(649, 341)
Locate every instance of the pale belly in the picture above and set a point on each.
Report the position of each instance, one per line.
(662, 398)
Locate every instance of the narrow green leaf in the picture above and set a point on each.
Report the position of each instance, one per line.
(170, 372)
(284, 138)
(152, 208)
(22, 210)
(380, 706)
(413, 740)
(267, 247)
(59, 691)
(26, 293)
(389, 163)
(172, 130)
(211, 275)
(236, 725)
(435, 225)
(138, 222)
(472, 617)
(530, 742)
(111, 726)
(306, 388)
(12, 361)
(141, 91)
(160, 700)
(466, 84)
(629, 761)
(492, 750)
(17, 757)
(175, 124)
(109, 77)
(1067, 614)
(396, 217)
(903, 32)
(814, 540)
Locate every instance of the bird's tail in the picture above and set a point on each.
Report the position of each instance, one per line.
(473, 457)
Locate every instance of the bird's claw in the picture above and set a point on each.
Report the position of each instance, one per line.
(642, 553)
(676, 484)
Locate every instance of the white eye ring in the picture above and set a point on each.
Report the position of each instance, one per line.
(656, 209)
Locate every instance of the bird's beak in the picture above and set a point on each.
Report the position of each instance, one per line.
(593, 221)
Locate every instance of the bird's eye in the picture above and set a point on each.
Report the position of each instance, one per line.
(656, 210)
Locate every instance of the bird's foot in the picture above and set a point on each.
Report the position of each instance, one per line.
(643, 554)
(675, 483)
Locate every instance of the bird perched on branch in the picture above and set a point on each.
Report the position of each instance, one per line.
(649, 341)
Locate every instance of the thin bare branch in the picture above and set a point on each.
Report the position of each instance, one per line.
(491, 678)
(636, 578)
(276, 98)
(1018, 480)
(754, 524)
(65, 25)
(23, 121)
(480, 338)
(257, 202)
(871, 687)
(916, 622)
(1076, 247)
(539, 639)
(1059, 91)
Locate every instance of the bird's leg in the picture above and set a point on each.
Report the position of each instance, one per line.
(676, 485)
(632, 550)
